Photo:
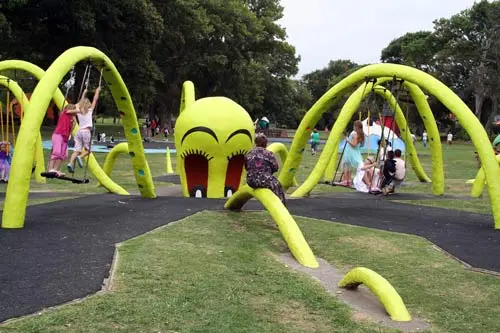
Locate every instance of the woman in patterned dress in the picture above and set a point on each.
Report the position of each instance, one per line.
(260, 164)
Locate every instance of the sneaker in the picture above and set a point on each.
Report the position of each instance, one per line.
(385, 190)
(79, 161)
(71, 169)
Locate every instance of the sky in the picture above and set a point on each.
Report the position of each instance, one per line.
(324, 30)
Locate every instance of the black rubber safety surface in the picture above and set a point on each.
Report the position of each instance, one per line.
(174, 179)
(66, 248)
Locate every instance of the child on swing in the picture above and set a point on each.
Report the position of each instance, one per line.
(60, 138)
(84, 135)
(352, 159)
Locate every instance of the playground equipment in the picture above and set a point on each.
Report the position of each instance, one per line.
(59, 100)
(385, 292)
(411, 78)
(19, 94)
(352, 105)
(18, 187)
(286, 224)
(212, 136)
(168, 162)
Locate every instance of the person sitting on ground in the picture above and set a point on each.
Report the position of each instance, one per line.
(84, 136)
(366, 178)
(400, 173)
(260, 165)
(60, 138)
(388, 171)
(314, 141)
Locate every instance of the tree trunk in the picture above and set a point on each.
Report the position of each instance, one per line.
(479, 102)
(494, 112)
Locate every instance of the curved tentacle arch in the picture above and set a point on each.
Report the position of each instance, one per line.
(430, 84)
(18, 92)
(280, 148)
(286, 224)
(480, 181)
(109, 162)
(429, 121)
(58, 98)
(402, 125)
(18, 188)
(345, 116)
(425, 112)
(385, 292)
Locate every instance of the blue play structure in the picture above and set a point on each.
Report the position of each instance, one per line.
(104, 149)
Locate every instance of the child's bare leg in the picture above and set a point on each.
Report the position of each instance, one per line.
(52, 164)
(57, 165)
(84, 153)
(73, 157)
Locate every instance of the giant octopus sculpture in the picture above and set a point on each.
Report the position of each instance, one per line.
(212, 136)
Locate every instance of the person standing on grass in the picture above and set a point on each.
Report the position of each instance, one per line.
(314, 141)
(424, 138)
(449, 138)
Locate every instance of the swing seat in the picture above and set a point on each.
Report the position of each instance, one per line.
(52, 175)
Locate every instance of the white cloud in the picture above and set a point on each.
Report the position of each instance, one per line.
(323, 30)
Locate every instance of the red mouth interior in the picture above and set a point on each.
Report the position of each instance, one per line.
(196, 167)
(233, 173)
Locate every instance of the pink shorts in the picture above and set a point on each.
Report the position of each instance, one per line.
(59, 147)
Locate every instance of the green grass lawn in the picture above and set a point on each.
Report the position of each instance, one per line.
(218, 272)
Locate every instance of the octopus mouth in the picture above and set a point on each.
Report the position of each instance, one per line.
(196, 166)
(233, 173)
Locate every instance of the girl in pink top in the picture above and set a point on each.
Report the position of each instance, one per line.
(60, 138)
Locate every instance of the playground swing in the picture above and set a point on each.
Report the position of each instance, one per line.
(69, 85)
(360, 115)
(395, 91)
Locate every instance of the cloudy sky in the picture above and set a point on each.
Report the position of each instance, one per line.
(323, 30)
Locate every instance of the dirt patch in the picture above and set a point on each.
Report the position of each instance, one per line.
(372, 244)
(238, 227)
(293, 314)
(366, 306)
(296, 315)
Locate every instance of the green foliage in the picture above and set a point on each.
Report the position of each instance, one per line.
(233, 48)
(462, 135)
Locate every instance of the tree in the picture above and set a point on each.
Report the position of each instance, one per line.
(415, 49)
(231, 48)
(42, 29)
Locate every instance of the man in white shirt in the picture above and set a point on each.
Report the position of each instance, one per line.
(449, 138)
(424, 138)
